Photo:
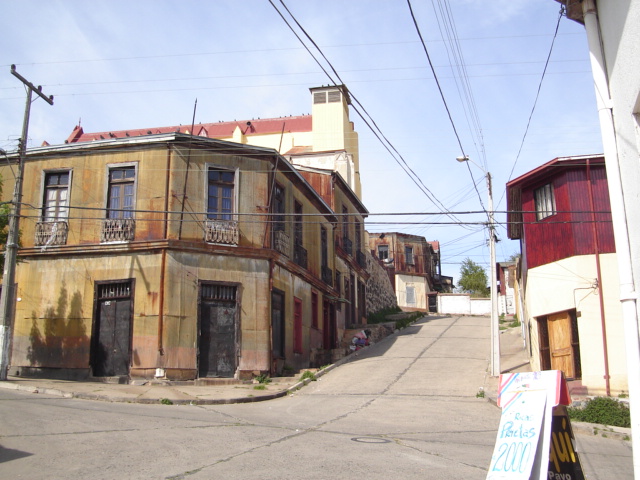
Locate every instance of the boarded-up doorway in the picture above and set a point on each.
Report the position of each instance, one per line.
(217, 335)
(111, 339)
(277, 324)
(329, 327)
(559, 343)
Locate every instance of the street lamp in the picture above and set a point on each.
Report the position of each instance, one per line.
(495, 326)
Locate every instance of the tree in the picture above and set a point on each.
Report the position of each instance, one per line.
(514, 257)
(473, 279)
(4, 221)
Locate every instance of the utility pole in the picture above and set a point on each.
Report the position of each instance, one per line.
(495, 324)
(7, 299)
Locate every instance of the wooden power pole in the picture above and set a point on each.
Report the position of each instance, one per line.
(8, 297)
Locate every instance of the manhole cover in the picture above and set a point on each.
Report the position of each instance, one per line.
(370, 440)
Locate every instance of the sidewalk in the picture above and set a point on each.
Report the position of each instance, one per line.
(153, 392)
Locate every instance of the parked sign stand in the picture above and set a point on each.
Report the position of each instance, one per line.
(534, 440)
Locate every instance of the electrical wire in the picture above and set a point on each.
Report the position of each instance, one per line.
(535, 102)
(370, 123)
(435, 76)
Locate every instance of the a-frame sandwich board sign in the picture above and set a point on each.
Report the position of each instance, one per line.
(530, 445)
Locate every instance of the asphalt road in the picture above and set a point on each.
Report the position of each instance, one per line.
(404, 409)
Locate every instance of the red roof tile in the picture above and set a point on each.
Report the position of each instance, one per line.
(211, 130)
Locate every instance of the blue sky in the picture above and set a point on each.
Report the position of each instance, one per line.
(116, 65)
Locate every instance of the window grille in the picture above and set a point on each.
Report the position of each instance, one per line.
(114, 290)
(218, 292)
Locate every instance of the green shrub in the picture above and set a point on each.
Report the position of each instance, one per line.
(263, 378)
(307, 374)
(381, 315)
(408, 320)
(602, 410)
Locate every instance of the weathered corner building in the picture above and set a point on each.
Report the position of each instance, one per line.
(199, 257)
(416, 267)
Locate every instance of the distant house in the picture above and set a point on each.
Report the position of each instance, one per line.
(560, 212)
(506, 293)
(416, 264)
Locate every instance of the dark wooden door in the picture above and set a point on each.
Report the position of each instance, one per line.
(217, 343)
(113, 344)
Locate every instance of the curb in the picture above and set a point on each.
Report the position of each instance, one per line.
(195, 401)
(46, 391)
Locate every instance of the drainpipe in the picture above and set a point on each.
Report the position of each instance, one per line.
(628, 294)
(596, 248)
(163, 261)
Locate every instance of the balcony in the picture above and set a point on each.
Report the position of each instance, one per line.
(300, 255)
(361, 259)
(221, 231)
(117, 230)
(51, 233)
(281, 242)
(347, 245)
(327, 275)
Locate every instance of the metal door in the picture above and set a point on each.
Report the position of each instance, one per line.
(217, 339)
(112, 342)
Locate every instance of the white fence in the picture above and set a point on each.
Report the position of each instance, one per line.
(463, 304)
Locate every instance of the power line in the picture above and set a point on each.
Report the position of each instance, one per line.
(535, 102)
(376, 131)
(263, 50)
(262, 75)
(433, 70)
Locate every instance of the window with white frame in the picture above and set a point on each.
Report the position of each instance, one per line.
(121, 195)
(545, 202)
(220, 194)
(56, 196)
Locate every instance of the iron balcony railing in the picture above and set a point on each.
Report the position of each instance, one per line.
(361, 259)
(51, 233)
(347, 245)
(282, 242)
(221, 231)
(327, 276)
(300, 255)
(117, 230)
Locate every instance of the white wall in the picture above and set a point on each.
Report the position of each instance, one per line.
(420, 288)
(571, 284)
(462, 304)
